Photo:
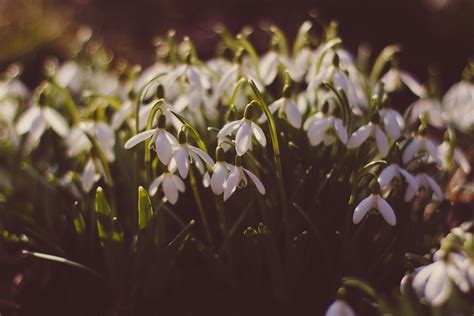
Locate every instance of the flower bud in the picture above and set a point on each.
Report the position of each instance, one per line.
(182, 139)
(162, 121)
(219, 154)
(249, 110)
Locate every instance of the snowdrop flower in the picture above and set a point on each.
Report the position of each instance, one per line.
(298, 66)
(322, 127)
(220, 173)
(162, 141)
(227, 82)
(269, 66)
(171, 184)
(373, 130)
(340, 308)
(424, 181)
(92, 173)
(421, 145)
(394, 171)
(196, 83)
(395, 77)
(374, 202)
(393, 122)
(340, 79)
(427, 108)
(238, 179)
(78, 142)
(245, 130)
(434, 282)
(184, 154)
(447, 153)
(458, 105)
(37, 119)
(286, 108)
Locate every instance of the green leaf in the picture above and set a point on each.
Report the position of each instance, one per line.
(61, 260)
(105, 220)
(78, 220)
(145, 210)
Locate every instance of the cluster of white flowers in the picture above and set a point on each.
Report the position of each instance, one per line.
(452, 267)
(322, 93)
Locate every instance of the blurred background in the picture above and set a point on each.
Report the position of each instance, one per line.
(432, 32)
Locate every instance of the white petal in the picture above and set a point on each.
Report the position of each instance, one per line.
(218, 179)
(259, 135)
(273, 108)
(155, 185)
(37, 129)
(292, 114)
(382, 142)
(134, 140)
(432, 150)
(387, 174)
(26, 119)
(204, 156)
(359, 136)
(317, 131)
(391, 122)
(243, 139)
(438, 193)
(461, 159)
(256, 181)
(89, 176)
(409, 178)
(411, 150)
(182, 161)
(231, 183)
(179, 183)
(340, 130)
(228, 128)
(361, 210)
(340, 308)
(56, 121)
(412, 84)
(438, 288)
(386, 211)
(163, 148)
(421, 278)
(269, 67)
(410, 193)
(170, 189)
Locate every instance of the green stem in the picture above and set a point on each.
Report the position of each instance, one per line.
(70, 104)
(149, 125)
(276, 152)
(202, 213)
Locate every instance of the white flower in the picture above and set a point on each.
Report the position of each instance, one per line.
(184, 154)
(421, 145)
(457, 156)
(374, 201)
(434, 282)
(171, 183)
(394, 78)
(245, 130)
(370, 130)
(323, 127)
(238, 178)
(340, 79)
(78, 142)
(393, 122)
(36, 120)
(162, 141)
(340, 308)
(392, 171)
(458, 105)
(424, 181)
(269, 67)
(220, 173)
(286, 107)
(298, 66)
(428, 108)
(93, 171)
